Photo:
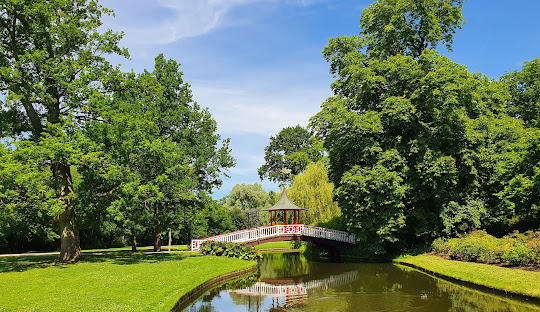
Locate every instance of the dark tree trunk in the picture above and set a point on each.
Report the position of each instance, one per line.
(70, 244)
(133, 240)
(157, 242)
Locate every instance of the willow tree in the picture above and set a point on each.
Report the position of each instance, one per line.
(51, 56)
(312, 190)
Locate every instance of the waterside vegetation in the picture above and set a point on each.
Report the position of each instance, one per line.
(522, 282)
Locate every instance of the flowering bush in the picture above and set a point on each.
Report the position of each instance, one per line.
(478, 246)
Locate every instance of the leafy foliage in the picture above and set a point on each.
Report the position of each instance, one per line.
(478, 246)
(244, 197)
(312, 191)
(51, 58)
(293, 148)
(232, 250)
(418, 146)
(160, 150)
(407, 27)
(524, 87)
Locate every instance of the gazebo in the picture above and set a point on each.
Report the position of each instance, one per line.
(284, 204)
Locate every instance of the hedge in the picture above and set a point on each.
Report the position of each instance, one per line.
(515, 249)
(232, 250)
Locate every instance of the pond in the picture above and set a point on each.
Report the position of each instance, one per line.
(289, 282)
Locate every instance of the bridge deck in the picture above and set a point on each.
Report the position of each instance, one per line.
(279, 232)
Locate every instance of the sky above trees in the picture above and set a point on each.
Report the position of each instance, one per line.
(257, 64)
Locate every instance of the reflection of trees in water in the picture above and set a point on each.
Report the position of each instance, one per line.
(375, 287)
(469, 300)
(279, 265)
(202, 308)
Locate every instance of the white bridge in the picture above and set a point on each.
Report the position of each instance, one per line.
(279, 232)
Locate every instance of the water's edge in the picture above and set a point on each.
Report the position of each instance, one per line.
(193, 295)
(496, 291)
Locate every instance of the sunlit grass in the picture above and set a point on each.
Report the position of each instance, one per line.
(142, 249)
(287, 244)
(109, 282)
(505, 279)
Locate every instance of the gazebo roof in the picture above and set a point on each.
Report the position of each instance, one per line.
(284, 203)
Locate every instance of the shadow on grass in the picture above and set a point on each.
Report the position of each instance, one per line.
(21, 264)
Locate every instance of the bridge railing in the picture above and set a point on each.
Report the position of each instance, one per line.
(250, 235)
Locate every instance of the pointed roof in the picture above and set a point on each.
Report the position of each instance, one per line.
(284, 203)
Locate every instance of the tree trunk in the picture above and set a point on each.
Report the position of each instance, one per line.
(70, 244)
(133, 240)
(157, 242)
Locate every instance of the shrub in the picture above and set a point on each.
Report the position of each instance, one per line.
(232, 250)
(478, 246)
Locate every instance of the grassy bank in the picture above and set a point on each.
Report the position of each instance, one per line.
(505, 279)
(110, 282)
(272, 245)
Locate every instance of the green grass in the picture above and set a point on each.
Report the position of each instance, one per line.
(505, 279)
(111, 282)
(143, 248)
(289, 244)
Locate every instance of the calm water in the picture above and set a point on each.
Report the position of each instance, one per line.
(289, 282)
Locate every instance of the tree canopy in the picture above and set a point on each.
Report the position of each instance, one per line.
(418, 146)
(51, 55)
(129, 153)
(288, 154)
(312, 190)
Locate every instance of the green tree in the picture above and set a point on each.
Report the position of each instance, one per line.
(28, 200)
(312, 191)
(50, 57)
(291, 149)
(417, 144)
(244, 197)
(160, 151)
(524, 87)
(407, 27)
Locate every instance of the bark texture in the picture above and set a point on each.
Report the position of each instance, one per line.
(70, 244)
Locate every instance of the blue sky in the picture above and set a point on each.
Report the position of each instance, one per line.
(257, 64)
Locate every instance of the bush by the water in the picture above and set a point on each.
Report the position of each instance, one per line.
(233, 250)
(478, 246)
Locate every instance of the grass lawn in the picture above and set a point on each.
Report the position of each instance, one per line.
(143, 248)
(111, 282)
(288, 244)
(505, 279)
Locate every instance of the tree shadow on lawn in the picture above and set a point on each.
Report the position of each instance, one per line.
(127, 258)
(21, 264)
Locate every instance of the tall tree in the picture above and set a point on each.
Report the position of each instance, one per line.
(524, 87)
(407, 27)
(288, 154)
(161, 151)
(50, 57)
(417, 145)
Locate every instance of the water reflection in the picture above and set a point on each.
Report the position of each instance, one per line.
(289, 282)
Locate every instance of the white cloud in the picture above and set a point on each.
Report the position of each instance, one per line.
(184, 18)
(258, 111)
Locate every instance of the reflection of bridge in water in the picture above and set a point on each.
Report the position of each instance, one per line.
(294, 292)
